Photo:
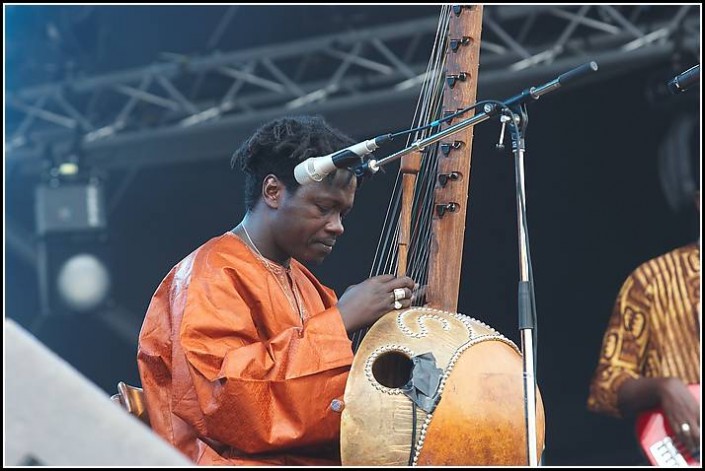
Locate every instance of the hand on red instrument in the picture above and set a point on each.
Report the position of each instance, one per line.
(681, 410)
(364, 303)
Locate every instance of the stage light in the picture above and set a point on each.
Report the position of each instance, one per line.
(70, 207)
(68, 169)
(83, 282)
(74, 264)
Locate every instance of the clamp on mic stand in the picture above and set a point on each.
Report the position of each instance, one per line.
(514, 112)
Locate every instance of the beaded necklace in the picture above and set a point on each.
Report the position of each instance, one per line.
(275, 269)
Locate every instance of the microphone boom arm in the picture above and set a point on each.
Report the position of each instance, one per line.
(432, 139)
(490, 110)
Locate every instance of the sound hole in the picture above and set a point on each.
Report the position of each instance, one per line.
(392, 369)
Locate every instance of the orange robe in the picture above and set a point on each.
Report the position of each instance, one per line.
(230, 372)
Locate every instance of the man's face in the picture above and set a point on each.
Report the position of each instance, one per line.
(309, 220)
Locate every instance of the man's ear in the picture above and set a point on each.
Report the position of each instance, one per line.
(272, 191)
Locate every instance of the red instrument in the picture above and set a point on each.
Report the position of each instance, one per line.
(658, 441)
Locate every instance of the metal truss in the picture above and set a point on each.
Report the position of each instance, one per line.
(200, 95)
(195, 108)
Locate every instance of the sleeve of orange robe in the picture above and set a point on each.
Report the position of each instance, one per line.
(624, 345)
(261, 395)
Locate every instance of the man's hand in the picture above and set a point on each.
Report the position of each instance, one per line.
(681, 410)
(364, 303)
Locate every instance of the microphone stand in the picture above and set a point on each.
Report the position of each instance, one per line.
(525, 296)
(515, 107)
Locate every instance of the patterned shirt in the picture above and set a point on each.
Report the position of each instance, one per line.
(654, 330)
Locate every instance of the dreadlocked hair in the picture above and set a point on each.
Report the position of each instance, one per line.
(279, 145)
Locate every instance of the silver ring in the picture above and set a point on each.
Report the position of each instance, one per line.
(397, 305)
(685, 427)
(399, 294)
